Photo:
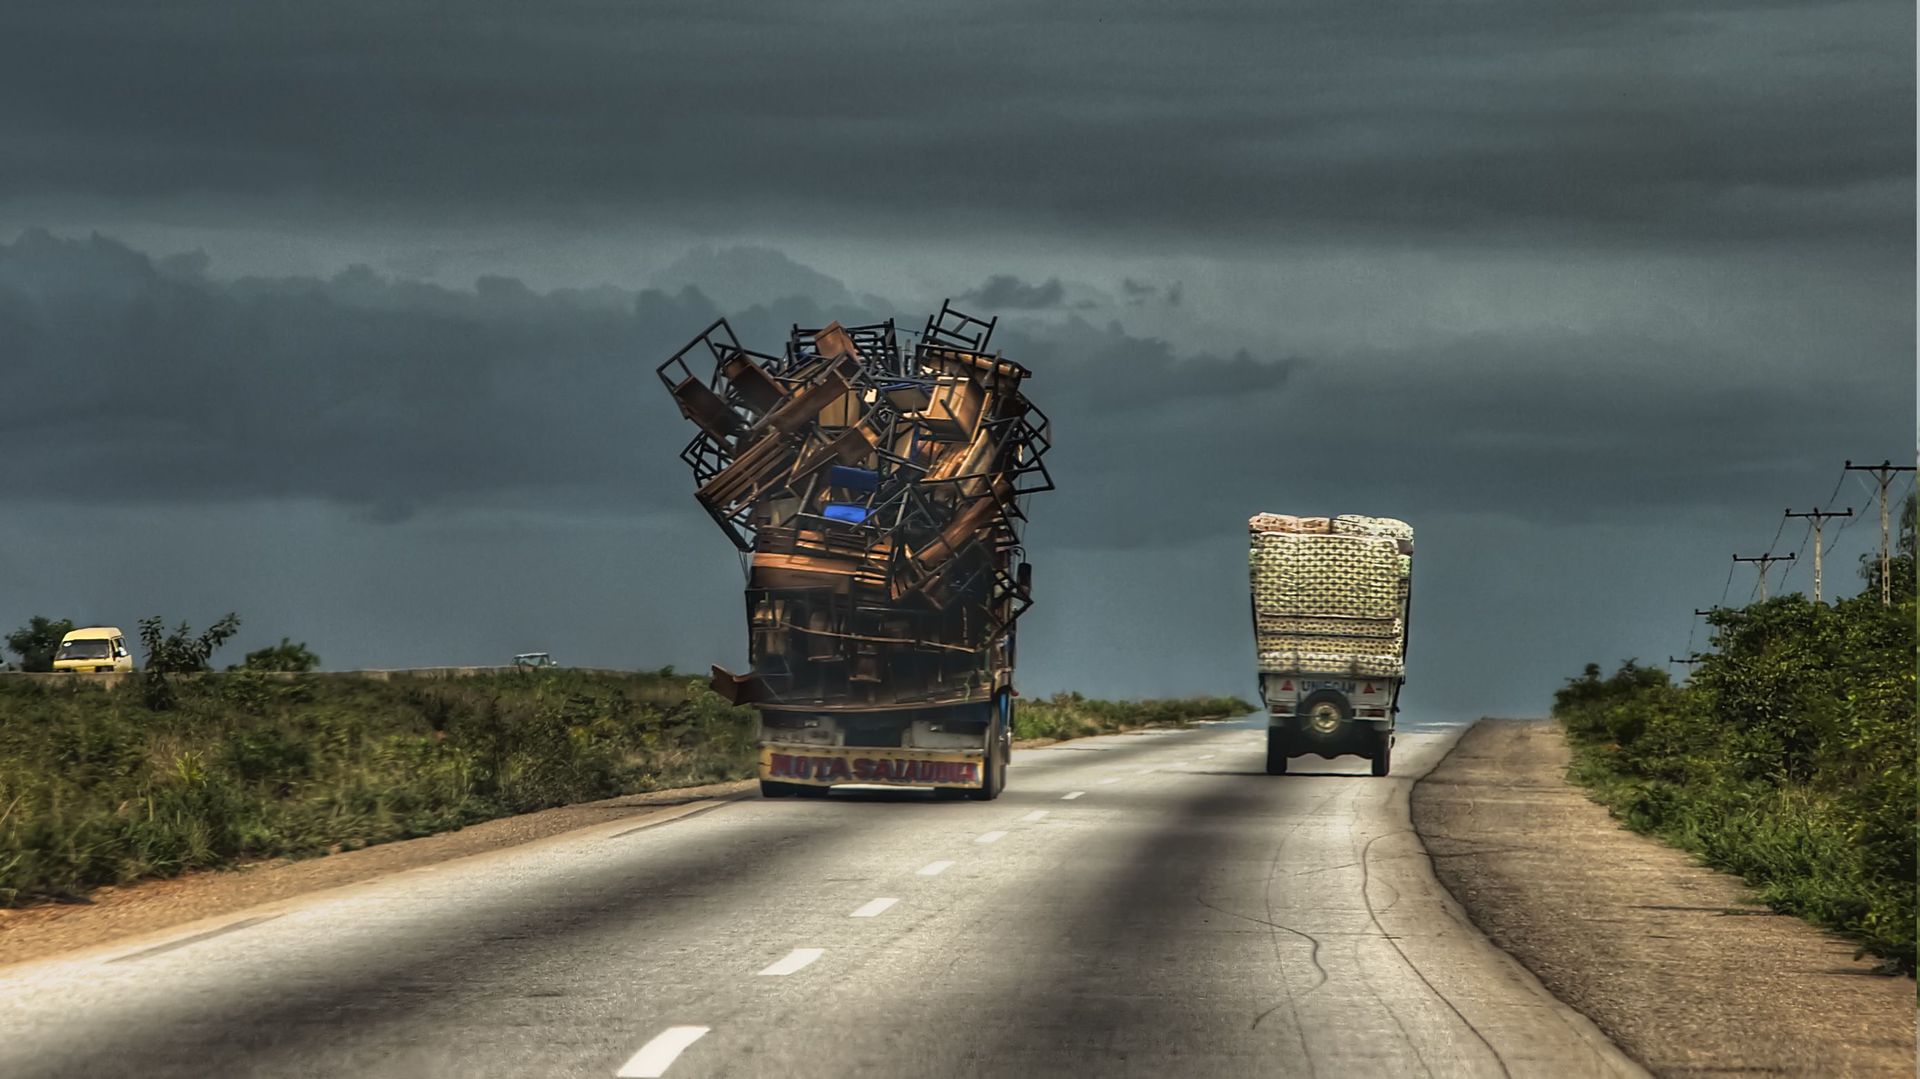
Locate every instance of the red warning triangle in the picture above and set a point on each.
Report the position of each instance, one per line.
(1288, 684)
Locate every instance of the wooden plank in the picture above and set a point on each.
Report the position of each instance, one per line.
(708, 410)
(758, 389)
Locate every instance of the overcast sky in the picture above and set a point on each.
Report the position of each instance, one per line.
(344, 316)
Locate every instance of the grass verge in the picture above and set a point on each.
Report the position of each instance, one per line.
(97, 789)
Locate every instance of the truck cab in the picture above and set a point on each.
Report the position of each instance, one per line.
(93, 649)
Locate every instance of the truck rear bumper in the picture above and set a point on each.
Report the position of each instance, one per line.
(826, 766)
(1353, 736)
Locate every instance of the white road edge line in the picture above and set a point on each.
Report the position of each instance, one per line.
(1071, 795)
(1038, 814)
(797, 959)
(874, 908)
(655, 1057)
(990, 837)
(934, 869)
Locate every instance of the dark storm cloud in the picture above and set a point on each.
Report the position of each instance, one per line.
(1009, 292)
(1138, 293)
(1198, 124)
(154, 382)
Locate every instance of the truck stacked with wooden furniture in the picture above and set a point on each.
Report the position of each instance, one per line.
(876, 491)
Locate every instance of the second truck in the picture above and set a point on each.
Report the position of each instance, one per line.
(1331, 597)
(875, 489)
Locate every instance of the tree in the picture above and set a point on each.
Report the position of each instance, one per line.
(285, 656)
(179, 652)
(37, 641)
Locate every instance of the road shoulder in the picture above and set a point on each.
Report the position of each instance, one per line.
(1674, 961)
(115, 915)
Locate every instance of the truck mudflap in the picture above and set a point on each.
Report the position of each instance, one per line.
(826, 766)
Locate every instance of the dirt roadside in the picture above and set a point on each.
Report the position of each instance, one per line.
(1676, 962)
(150, 906)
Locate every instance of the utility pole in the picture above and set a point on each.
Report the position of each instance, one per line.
(1765, 561)
(1818, 518)
(1883, 472)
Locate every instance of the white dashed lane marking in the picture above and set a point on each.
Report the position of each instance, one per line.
(1038, 814)
(655, 1057)
(1071, 795)
(934, 869)
(1111, 779)
(878, 906)
(796, 960)
(990, 837)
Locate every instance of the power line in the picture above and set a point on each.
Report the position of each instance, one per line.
(1883, 473)
(1694, 627)
(1817, 518)
(1765, 562)
(1836, 487)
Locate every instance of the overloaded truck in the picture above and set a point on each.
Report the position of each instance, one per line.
(874, 482)
(1331, 596)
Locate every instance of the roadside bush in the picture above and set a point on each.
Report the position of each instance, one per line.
(97, 789)
(285, 656)
(1788, 759)
(1070, 715)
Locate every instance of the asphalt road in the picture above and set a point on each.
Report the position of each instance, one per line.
(1145, 904)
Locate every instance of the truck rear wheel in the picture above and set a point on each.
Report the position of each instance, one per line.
(993, 773)
(1382, 752)
(1276, 753)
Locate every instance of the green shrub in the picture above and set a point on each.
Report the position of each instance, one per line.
(1070, 715)
(95, 788)
(1788, 759)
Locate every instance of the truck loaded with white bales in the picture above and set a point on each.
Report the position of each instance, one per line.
(1331, 597)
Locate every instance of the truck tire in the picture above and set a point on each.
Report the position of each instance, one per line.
(993, 773)
(1276, 753)
(772, 789)
(993, 764)
(1382, 752)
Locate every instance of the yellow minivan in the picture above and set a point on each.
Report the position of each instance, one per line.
(94, 648)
